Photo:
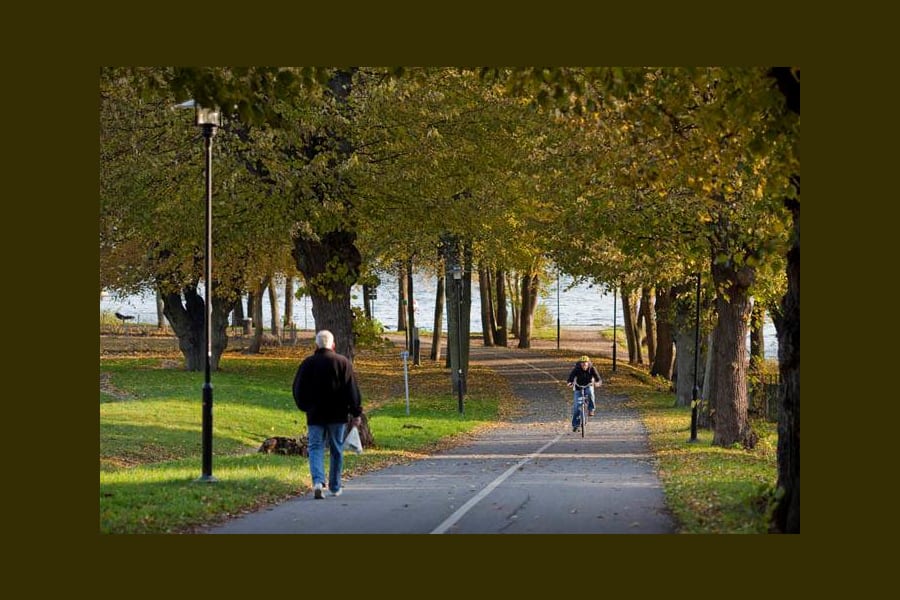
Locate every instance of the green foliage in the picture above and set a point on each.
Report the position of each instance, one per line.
(542, 317)
(367, 333)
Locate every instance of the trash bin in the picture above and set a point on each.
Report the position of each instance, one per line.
(248, 325)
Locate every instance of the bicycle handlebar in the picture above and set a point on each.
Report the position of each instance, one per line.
(578, 386)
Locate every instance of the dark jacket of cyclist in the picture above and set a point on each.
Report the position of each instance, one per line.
(584, 375)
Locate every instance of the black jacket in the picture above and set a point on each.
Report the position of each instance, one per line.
(584, 376)
(325, 388)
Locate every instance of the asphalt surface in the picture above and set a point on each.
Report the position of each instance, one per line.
(532, 476)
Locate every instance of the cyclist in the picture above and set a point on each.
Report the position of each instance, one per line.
(583, 374)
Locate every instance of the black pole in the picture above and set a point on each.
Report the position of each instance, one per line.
(459, 371)
(557, 307)
(614, 329)
(695, 393)
(208, 132)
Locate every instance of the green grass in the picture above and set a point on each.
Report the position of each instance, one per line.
(709, 489)
(150, 435)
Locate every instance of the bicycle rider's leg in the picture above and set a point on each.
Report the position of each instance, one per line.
(576, 402)
(591, 405)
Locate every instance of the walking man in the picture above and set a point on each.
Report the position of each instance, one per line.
(325, 389)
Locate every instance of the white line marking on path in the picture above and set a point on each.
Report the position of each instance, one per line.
(462, 510)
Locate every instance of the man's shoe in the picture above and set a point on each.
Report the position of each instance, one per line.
(574, 427)
(337, 493)
(591, 414)
(318, 491)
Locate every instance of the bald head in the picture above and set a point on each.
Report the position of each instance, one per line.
(325, 339)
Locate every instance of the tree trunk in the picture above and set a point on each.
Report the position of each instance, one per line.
(410, 306)
(528, 305)
(330, 291)
(367, 301)
(684, 365)
(732, 424)
(629, 316)
(487, 309)
(251, 303)
(289, 302)
(786, 518)
(188, 321)
(458, 309)
(438, 319)
(160, 311)
(757, 338)
(500, 337)
(707, 415)
(665, 341)
(274, 309)
(257, 316)
(647, 315)
(237, 313)
(512, 284)
(402, 298)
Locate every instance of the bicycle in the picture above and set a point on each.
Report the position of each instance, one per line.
(583, 405)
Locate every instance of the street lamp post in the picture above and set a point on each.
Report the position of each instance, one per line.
(208, 120)
(457, 277)
(695, 392)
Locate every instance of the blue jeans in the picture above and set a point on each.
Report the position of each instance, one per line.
(576, 403)
(316, 436)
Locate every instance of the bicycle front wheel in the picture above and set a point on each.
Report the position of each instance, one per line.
(583, 418)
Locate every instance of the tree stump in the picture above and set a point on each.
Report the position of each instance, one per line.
(365, 434)
(286, 446)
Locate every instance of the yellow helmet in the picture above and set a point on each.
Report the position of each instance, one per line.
(584, 358)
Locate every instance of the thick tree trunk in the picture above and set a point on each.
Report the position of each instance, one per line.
(732, 424)
(786, 518)
(629, 316)
(529, 289)
(665, 341)
(487, 309)
(438, 319)
(500, 337)
(188, 320)
(647, 316)
(330, 291)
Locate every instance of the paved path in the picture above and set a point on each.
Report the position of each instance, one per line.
(531, 476)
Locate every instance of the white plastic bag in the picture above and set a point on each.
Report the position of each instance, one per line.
(352, 441)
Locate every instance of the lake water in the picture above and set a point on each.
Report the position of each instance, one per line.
(582, 305)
